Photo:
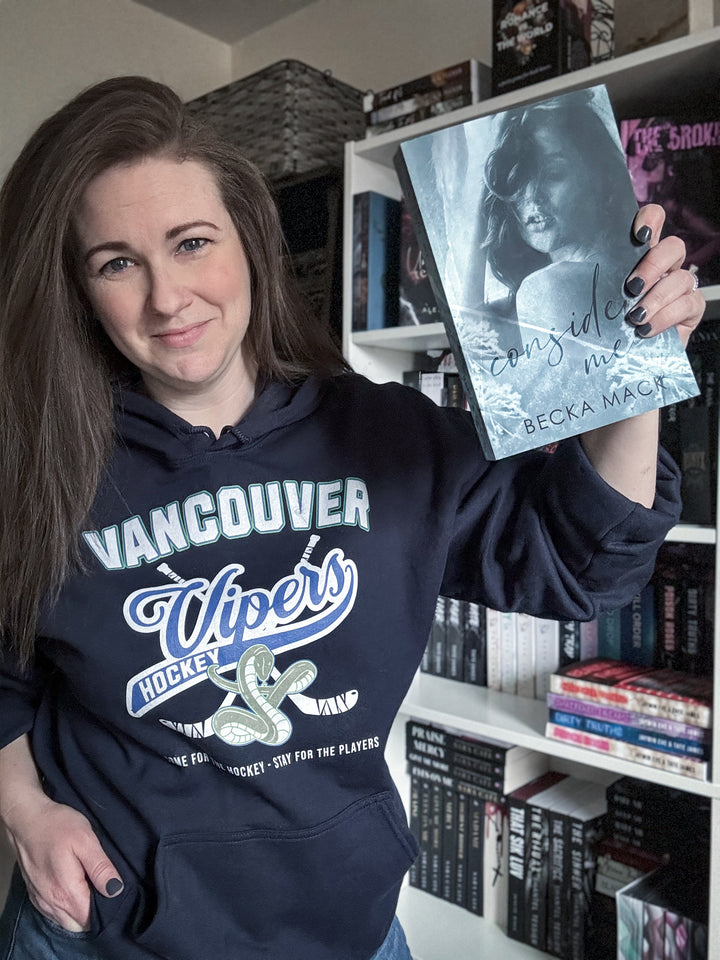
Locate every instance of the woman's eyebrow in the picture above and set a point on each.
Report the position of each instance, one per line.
(120, 246)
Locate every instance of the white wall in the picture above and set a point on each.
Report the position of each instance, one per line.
(373, 44)
(51, 49)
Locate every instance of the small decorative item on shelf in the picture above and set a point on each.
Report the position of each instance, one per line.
(431, 95)
(287, 118)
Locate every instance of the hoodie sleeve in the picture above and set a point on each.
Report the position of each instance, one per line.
(545, 534)
(20, 695)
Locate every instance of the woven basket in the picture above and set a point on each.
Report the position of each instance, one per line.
(288, 118)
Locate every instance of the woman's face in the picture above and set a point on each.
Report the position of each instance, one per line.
(167, 276)
(547, 208)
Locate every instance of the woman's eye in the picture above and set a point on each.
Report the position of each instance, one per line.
(115, 266)
(192, 244)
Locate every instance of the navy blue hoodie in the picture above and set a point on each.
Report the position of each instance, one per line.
(214, 691)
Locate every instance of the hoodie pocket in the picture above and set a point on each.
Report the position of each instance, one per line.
(326, 892)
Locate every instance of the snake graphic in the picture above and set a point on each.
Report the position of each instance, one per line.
(264, 721)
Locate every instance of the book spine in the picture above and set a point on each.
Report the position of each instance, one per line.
(536, 882)
(475, 666)
(415, 829)
(558, 878)
(517, 810)
(437, 639)
(508, 653)
(419, 101)
(609, 635)
(676, 707)
(462, 813)
(637, 629)
(583, 837)
(454, 639)
(570, 649)
(463, 72)
(645, 721)
(423, 873)
(494, 649)
(525, 655)
(422, 113)
(361, 208)
(547, 654)
(683, 766)
(495, 864)
(436, 825)
(475, 854)
(449, 844)
(630, 734)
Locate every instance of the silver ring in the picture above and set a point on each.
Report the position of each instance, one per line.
(696, 282)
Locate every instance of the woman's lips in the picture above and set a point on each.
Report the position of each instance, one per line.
(183, 337)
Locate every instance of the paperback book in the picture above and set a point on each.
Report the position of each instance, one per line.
(528, 268)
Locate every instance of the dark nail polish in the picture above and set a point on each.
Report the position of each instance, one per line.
(643, 235)
(636, 315)
(643, 330)
(113, 887)
(634, 286)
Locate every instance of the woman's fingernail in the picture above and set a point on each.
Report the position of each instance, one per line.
(113, 887)
(643, 330)
(634, 286)
(643, 235)
(636, 315)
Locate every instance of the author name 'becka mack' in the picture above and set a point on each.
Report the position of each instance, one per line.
(582, 408)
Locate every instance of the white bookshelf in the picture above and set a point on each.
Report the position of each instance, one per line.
(656, 80)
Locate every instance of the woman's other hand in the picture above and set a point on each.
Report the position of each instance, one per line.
(56, 848)
(670, 297)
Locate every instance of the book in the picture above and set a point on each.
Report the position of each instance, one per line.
(376, 264)
(638, 753)
(653, 690)
(475, 853)
(540, 341)
(675, 161)
(471, 73)
(643, 721)
(418, 101)
(454, 639)
(435, 109)
(537, 40)
(518, 821)
(475, 645)
(417, 301)
(632, 734)
(495, 863)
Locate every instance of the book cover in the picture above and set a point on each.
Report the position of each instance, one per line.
(376, 265)
(454, 639)
(675, 161)
(538, 39)
(532, 298)
(654, 690)
(462, 812)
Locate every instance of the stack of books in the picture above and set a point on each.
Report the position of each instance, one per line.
(651, 715)
(555, 823)
(458, 814)
(431, 95)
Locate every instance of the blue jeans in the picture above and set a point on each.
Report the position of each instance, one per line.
(26, 935)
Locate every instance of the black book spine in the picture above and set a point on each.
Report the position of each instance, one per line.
(361, 216)
(453, 639)
(415, 828)
(517, 837)
(559, 873)
(475, 857)
(461, 858)
(449, 844)
(436, 833)
(537, 850)
(475, 668)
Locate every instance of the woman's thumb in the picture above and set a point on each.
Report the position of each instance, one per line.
(102, 873)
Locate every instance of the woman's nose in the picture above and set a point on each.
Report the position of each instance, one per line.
(167, 293)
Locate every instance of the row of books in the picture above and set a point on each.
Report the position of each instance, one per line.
(669, 624)
(651, 715)
(391, 286)
(430, 95)
(547, 858)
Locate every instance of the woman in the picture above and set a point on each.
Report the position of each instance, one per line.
(229, 548)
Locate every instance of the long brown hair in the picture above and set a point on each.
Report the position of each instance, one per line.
(56, 423)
